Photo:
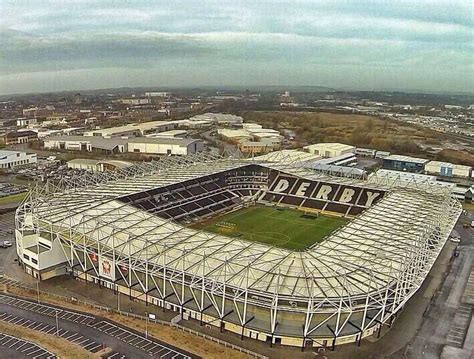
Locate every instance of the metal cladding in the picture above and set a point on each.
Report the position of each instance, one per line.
(341, 289)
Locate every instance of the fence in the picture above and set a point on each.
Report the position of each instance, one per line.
(15, 283)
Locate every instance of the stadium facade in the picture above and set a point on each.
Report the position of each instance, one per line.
(129, 231)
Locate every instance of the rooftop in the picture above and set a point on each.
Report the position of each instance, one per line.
(403, 158)
(367, 254)
(9, 153)
(163, 140)
(450, 165)
(330, 145)
(130, 127)
(98, 142)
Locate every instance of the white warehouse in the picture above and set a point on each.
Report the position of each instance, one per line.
(10, 159)
(447, 169)
(165, 146)
(329, 149)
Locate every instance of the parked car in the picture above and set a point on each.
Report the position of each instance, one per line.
(455, 239)
(5, 244)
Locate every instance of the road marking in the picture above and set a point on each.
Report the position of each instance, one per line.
(14, 343)
(71, 336)
(77, 339)
(52, 329)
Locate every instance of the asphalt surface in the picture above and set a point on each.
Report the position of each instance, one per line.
(90, 332)
(18, 348)
(446, 322)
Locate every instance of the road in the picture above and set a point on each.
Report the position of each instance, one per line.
(89, 331)
(440, 326)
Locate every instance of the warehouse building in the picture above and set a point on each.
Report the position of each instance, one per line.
(134, 129)
(446, 169)
(219, 118)
(85, 143)
(165, 146)
(169, 134)
(236, 135)
(252, 138)
(10, 159)
(14, 138)
(97, 165)
(404, 163)
(329, 149)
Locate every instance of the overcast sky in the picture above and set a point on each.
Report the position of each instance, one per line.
(360, 44)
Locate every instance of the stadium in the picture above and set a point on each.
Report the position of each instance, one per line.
(267, 248)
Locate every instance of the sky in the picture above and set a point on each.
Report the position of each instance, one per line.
(365, 45)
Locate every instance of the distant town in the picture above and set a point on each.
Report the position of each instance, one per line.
(48, 136)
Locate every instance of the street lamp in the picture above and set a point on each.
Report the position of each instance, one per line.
(118, 300)
(146, 325)
(57, 324)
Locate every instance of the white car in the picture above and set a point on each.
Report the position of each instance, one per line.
(5, 244)
(455, 239)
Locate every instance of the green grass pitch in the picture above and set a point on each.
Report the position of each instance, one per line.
(286, 228)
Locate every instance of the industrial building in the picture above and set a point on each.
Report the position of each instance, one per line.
(169, 134)
(25, 122)
(86, 143)
(404, 163)
(19, 137)
(134, 129)
(252, 138)
(10, 159)
(97, 165)
(234, 135)
(128, 232)
(219, 118)
(165, 146)
(445, 169)
(329, 149)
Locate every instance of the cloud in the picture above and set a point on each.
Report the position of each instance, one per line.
(209, 39)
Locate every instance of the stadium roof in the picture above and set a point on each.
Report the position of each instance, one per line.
(366, 255)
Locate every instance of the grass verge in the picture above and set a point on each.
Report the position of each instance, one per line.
(13, 198)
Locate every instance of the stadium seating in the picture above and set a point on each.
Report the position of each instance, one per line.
(203, 196)
(212, 194)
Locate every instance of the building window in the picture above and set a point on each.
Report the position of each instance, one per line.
(34, 261)
(26, 257)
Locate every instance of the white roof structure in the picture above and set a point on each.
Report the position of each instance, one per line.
(350, 252)
(386, 246)
(332, 146)
(287, 156)
(142, 127)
